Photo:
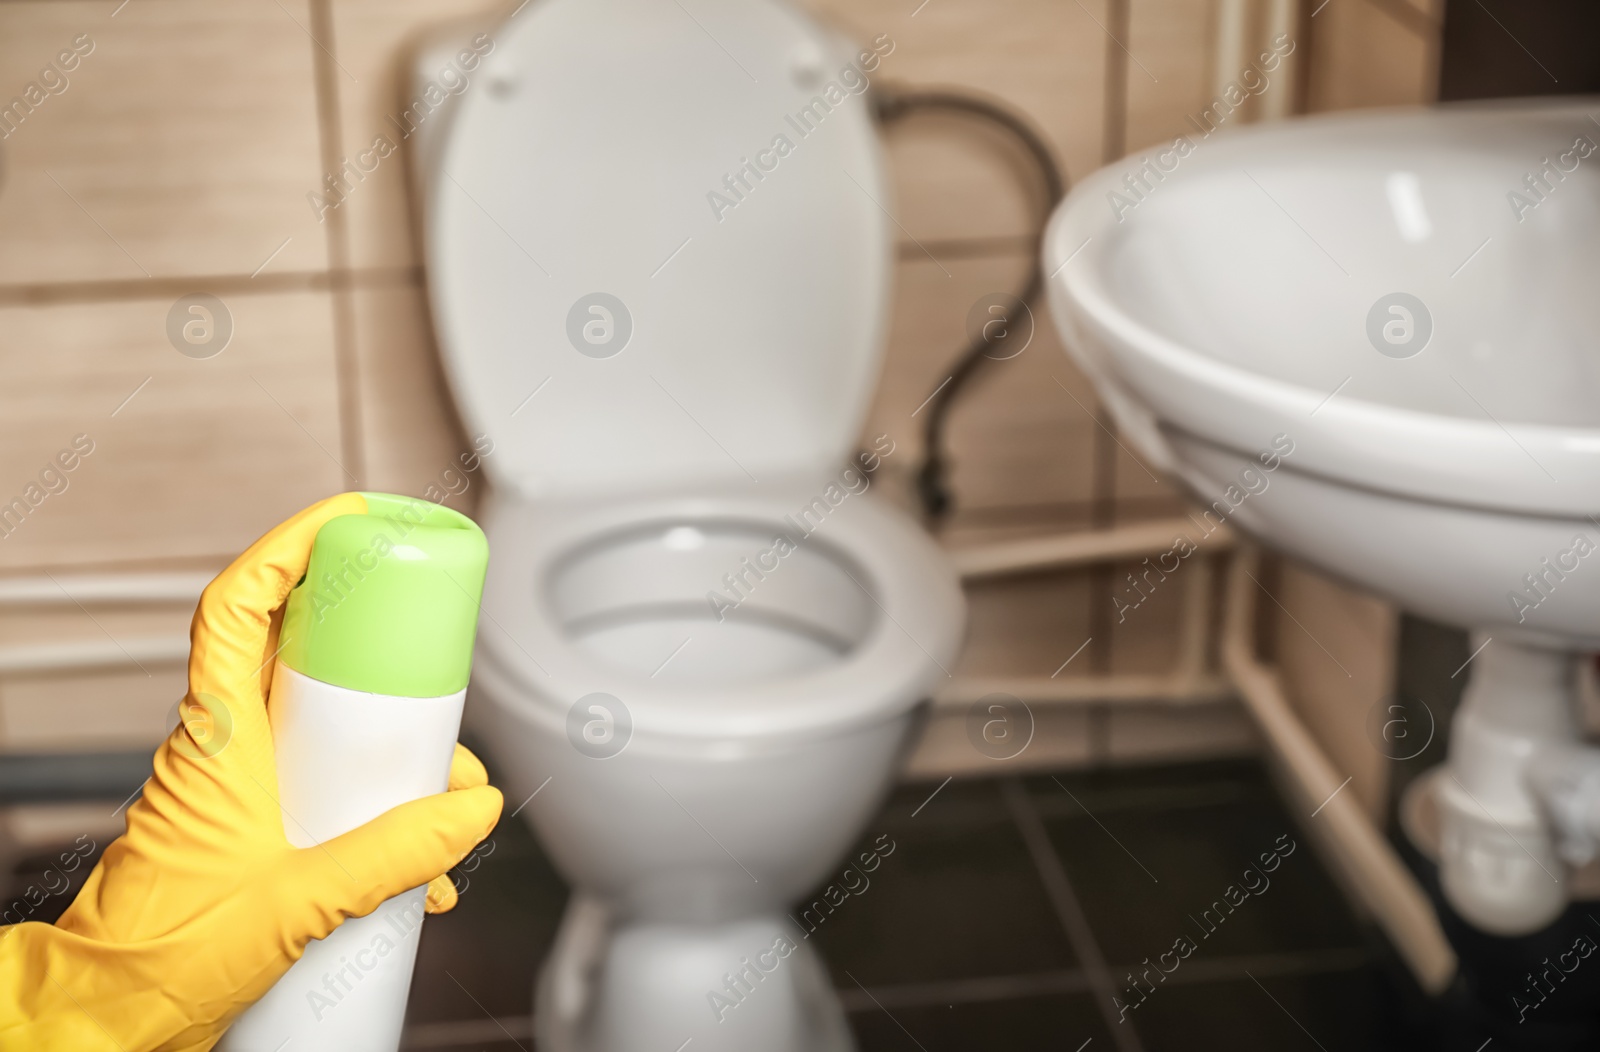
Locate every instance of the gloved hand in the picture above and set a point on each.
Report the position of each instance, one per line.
(202, 904)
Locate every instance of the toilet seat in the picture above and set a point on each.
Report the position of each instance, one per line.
(911, 639)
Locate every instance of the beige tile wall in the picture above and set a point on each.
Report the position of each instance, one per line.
(1336, 655)
(179, 160)
(181, 147)
(1375, 53)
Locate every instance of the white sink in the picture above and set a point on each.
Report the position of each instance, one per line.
(1392, 296)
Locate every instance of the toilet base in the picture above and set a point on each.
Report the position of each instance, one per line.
(645, 986)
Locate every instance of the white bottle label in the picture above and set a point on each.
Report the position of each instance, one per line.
(344, 758)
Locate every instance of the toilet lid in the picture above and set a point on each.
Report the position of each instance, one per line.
(658, 245)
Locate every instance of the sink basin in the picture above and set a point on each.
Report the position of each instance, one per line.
(1370, 341)
(1231, 305)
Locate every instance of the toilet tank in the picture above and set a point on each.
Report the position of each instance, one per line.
(658, 240)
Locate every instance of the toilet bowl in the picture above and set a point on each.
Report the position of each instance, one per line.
(658, 271)
(703, 773)
(1369, 341)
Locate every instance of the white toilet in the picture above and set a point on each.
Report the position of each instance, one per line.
(659, 277)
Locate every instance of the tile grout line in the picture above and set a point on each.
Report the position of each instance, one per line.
(990, 990)
(120, 290)
(331, 132)
(44, 293)
(1273, 965)
(996, 989)
(457, 1032)
(1069, 911)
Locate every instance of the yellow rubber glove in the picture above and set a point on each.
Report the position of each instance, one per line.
(202, 904)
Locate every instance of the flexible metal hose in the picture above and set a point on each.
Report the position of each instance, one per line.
(895, 104)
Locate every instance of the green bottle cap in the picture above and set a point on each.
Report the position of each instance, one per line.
(389, 603)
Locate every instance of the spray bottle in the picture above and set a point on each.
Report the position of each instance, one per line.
(366, 701)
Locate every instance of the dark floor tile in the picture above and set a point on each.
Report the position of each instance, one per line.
(1150, 875)
(1111, 790)
(958, 897)
(953, 801)
(1057, 1023)
(481, 957)
(1334, 1012)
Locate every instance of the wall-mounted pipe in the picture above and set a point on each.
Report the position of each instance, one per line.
(1062, 551)
(1230, 45)
(106, 588)
(1374, 871)
(964, 691)
(1280, 21)
(1188, 683)
(102, 589)
(92, 655)
(1242, 30)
